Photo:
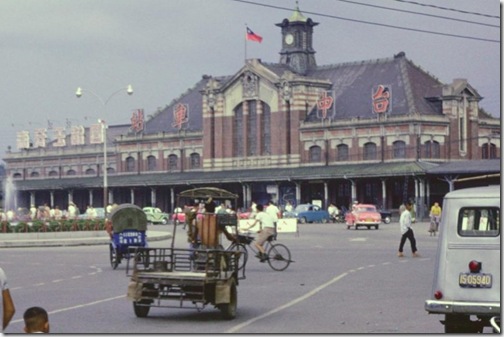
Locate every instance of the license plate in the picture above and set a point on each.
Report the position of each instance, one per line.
(471, 280)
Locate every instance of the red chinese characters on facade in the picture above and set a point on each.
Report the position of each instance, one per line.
(382, 97)
(137, 120)
(324, 105)
(180, 115)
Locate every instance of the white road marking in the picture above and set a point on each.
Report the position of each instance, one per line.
(289, 304)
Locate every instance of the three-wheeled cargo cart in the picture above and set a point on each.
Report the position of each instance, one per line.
(129, 226)
(204, 273)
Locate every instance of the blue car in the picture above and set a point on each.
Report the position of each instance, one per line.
(310, 213)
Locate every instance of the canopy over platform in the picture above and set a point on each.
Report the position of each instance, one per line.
(206, 192)
(128, 216)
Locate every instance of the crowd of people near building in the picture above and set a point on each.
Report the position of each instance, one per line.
(46, 213)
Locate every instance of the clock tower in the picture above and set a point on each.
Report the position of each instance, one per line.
(297, 43)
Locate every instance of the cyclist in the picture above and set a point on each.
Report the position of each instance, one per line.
(267, 228)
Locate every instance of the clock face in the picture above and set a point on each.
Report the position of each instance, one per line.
(289, 39)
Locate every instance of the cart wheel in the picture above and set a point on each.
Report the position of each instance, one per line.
(141, 309)
(242, 260)
(114, 258)
(279, 257)
(228, 310)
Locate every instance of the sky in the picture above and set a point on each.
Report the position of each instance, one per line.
(162, 48)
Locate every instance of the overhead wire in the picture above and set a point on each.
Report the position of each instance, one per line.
(448, 9)
(372, 23)
(422, 14)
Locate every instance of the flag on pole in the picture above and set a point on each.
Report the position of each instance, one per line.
(253, 36)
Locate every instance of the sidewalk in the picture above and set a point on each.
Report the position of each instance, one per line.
(54, 239)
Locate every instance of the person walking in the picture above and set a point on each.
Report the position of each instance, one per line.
(406, 230)
(8, 308)
(36, 320)
(435, 216)
(274, 213)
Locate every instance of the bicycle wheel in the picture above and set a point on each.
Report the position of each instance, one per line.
(279, 257)
(114, 258)
(239, 247)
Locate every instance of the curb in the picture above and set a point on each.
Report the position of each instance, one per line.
(48, 240)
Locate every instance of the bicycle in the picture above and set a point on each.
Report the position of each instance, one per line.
(277, 254)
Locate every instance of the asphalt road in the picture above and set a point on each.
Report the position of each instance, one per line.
(342, 281)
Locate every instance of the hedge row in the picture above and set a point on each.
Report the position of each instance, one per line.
(53, 226)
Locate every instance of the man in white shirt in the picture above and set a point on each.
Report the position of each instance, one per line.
(267, 229)
(273, 212)
(7, 306)
(405, 222)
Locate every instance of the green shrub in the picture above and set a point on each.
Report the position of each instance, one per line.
(23, 227)
(40, 226)
(5, 227)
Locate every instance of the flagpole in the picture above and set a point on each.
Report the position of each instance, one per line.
(245, 43)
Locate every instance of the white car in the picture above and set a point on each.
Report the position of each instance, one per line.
(467, 276)
(156, 216)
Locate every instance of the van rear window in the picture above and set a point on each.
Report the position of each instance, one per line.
(479, 221)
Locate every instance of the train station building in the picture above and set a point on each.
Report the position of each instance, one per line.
(377, 131)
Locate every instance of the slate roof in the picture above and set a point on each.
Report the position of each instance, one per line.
(354, 82)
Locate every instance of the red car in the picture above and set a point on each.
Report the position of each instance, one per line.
(363, 215)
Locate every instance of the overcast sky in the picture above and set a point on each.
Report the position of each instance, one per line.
(163, 47)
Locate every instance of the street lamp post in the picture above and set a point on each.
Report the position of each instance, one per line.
(78, 93)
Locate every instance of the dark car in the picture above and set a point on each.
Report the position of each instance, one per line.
(386, 216)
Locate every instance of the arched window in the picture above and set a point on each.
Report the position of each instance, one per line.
(342, 152)
(16, 175)
(399, 149)
(195, 160)
(315, 154)
(172, 162)
(488, 151)
(53, 173)
(369, 151)
(238, 132)
(432, 149)
(110, 170)
(34, 174)
(90, 172)
(252, 129)
(266, 129)
(71, 172)
(151, 163)
(130, 164)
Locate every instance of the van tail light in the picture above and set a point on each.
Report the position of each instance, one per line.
(438, 295)
(474, 266)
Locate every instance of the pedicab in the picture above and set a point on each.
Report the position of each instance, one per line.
(189, 277)
(129, 224)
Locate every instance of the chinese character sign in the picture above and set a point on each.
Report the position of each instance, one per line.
(23, 140)
(326, 107)
(96, 134)
(39, 138)
(77, 135)
(59, 137)
(137, 120)
(180, 115)
(382, 99)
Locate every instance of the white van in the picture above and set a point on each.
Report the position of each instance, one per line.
(467, 275)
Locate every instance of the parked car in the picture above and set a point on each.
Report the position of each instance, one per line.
(178, 217)
(156, 216)
(311, 213)
(364, 215)
(386, 216)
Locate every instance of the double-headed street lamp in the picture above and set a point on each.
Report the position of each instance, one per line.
(78, 93)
